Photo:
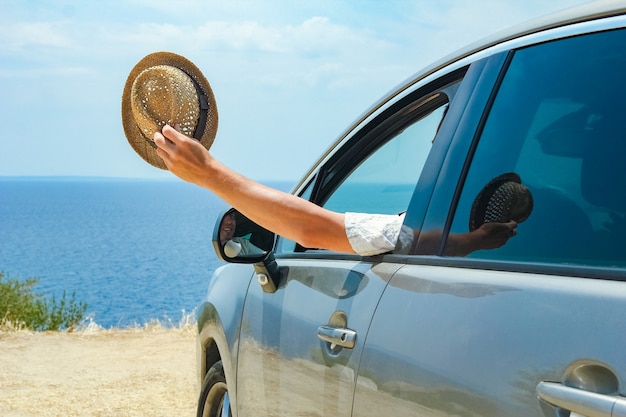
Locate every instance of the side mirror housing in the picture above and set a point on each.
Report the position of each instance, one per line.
(237, 239)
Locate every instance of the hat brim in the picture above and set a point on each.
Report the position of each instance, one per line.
(133, 133)
(481, 202)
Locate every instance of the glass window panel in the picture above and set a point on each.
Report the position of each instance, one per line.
(384, 182)
(558, 121)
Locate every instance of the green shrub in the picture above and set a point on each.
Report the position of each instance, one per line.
(21, 307)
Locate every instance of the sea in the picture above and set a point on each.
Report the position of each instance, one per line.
(137, 251)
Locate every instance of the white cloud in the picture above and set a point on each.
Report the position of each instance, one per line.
(38, 72)
(23, 35)
(314, 35)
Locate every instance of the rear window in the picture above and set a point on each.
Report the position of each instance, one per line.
(559, 122)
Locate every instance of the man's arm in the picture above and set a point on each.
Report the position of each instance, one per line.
(285, 214)
(290, 216)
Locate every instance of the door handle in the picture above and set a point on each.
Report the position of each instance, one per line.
(337, 336)
(584, 403)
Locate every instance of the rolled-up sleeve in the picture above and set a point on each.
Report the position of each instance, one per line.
(373, 234)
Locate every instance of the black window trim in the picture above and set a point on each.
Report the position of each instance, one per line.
(472, 150)
(553, 269)
(382, 129)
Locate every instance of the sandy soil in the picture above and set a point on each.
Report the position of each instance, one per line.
(134, 372)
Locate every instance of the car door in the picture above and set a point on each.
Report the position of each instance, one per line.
(536, 327)
(300, 346)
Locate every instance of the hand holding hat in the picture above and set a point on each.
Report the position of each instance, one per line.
(503, 199)
(167, 89)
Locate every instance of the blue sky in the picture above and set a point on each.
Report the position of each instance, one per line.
(288, 77)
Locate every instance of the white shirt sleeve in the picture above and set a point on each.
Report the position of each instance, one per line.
(372, 234)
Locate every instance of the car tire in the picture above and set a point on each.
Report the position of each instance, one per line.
(214, 400)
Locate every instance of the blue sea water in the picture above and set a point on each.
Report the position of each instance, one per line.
(133, 250)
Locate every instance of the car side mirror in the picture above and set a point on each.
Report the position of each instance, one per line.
(237, 239)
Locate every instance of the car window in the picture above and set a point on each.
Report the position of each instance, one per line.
(378, 172)
(384, 182)
(558, 122)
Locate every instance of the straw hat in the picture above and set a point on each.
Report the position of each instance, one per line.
(502, 200)
(165, 88)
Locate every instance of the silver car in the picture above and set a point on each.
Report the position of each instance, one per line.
(528, 126)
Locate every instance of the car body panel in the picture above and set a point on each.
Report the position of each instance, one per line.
(478, 342)
(300, 373)
(219, 321)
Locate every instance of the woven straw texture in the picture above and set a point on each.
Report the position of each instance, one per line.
(502, 200)
(165, 88)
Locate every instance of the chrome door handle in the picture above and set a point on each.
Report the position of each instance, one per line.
(337, 336)
(584, 403)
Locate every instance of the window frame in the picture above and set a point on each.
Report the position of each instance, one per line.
(381, 130)
(371, 137)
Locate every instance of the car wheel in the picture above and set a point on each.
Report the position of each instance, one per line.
(214, 400)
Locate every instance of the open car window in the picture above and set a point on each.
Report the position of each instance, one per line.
(379, 171)
(384, 182)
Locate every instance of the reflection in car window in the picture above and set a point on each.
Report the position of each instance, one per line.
(558, 122)
(384, 182)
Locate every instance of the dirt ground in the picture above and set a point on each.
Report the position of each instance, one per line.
(133, 372)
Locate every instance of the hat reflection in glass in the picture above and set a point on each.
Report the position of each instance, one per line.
(166, 88)
(503, 199)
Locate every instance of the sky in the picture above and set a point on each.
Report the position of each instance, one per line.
(288, 76)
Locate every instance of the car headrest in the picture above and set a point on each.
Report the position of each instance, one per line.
(603, 174)
(566, 136)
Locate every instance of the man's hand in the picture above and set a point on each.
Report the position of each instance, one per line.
(184, 157)
(487, 236)
(494, 235)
